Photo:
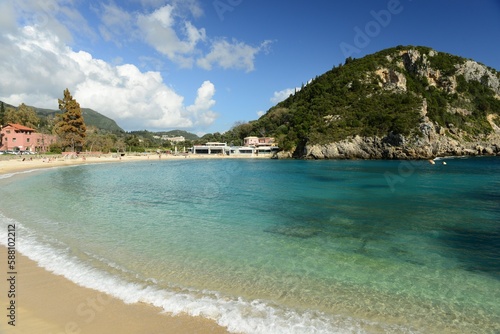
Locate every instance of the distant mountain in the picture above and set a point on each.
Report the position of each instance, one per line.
(6, 105)
(400, 103)
(91, 118)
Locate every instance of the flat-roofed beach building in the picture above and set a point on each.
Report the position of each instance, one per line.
(215, 148)
(266, 150)
(243, 150)
(211, 148)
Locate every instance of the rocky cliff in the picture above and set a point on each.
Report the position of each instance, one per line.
(433, 141)
(461, 91)
(396, 148)
(407, 102)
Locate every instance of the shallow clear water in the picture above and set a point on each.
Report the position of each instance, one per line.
(276, 246)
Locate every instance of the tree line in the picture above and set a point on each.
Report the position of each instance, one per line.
(69, 126)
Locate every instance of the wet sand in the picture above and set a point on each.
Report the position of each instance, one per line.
(46, 303)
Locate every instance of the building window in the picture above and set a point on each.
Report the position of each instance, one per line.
(13, 139)
(8, 131)
(27, 140)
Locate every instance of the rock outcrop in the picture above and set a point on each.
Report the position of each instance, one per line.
(400, 103)
(473, 71)
(398, 148)
(433, 141)
(391, 80)
(420, 64)
(430, 140)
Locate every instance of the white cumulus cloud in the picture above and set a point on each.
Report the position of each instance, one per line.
(58, 17)
(168, 30)
(161, 32)
(39, 66)
(285, 93)
(41, 56)
(203, 104)
(234, 54)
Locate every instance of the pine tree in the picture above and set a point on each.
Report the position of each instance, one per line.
(2, 113)
(23, 115)
(70, 125)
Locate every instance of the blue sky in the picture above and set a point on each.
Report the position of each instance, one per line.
(204, 65)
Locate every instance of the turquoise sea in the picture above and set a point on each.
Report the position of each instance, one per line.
(273, 246)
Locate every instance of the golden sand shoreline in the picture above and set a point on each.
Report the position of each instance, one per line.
(27, 162)
(50, 304)
(47, 303)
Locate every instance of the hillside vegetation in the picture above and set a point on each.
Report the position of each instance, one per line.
(92, 119)
(103, 134)
(410, 93)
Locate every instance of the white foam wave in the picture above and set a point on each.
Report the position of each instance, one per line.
(451, 157)
(236, 314)
(28, 171)
(8, 175)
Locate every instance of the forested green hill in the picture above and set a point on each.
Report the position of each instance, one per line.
(394, 92)
(91, 117)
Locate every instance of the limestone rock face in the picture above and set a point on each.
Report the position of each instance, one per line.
(379, 148)
(431, 140)
(435, 141)
(415, 62)
(431, 135)
(473, 71)
(284, 155)
(391, 80)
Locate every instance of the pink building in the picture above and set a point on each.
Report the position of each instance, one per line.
(258, 141)
(17, 137)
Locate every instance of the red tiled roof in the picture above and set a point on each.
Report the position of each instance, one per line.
(20, 127)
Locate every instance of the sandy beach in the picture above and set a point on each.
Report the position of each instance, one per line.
(10, 164)
(49, 304)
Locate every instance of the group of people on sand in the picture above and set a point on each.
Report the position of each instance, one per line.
(43, 160)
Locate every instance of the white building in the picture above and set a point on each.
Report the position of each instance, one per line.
(177, 139)
(211, 148)
(223, 149)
